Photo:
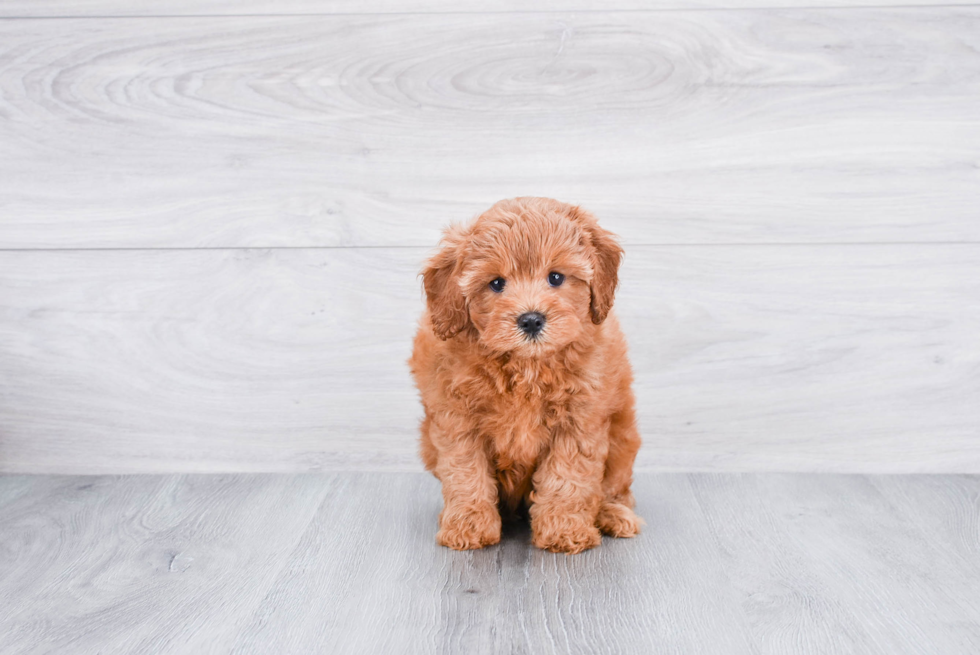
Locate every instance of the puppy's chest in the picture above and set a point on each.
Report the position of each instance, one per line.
(520, 428)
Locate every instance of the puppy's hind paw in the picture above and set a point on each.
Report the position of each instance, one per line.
(618, 520)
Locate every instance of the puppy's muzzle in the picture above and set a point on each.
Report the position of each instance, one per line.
(531, 323)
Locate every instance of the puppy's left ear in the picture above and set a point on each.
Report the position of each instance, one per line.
(606, 255)
(447, 306)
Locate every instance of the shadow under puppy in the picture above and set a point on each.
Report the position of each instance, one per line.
(525, 380)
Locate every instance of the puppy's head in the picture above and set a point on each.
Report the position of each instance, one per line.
(528, 276)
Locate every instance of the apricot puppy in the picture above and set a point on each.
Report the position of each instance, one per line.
(524, 378)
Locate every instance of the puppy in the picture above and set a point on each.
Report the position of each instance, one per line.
(524, 379)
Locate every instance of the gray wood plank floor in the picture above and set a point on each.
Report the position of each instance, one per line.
(347, 563)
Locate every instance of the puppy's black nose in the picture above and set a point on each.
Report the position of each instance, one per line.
(531, 323)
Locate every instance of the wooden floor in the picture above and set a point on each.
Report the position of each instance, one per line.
(198, 196)
(347, 563)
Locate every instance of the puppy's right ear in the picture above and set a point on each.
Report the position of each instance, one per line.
(447, 306)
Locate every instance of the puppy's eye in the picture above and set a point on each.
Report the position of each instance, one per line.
(498, 285)
(555, 279)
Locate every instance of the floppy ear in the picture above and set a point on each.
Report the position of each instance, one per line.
(606, 255)
(447, 306)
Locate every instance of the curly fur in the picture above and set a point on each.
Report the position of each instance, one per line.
(512, 422)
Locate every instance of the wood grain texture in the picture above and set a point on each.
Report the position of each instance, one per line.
(142, 564)
(946, 508)
(796, 126)
(111, 8)
(801, 550)
(347, 563)
(661, 589)
(813, 358)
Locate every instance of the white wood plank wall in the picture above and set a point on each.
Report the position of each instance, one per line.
(210, 225)
(104, 8)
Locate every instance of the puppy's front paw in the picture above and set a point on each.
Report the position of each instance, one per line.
(564, 533)
(618, 520)
(467, 529)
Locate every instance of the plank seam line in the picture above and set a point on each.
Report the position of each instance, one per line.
(775, 244)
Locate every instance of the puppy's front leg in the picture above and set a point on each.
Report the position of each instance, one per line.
(567, 494)
(470, 518)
